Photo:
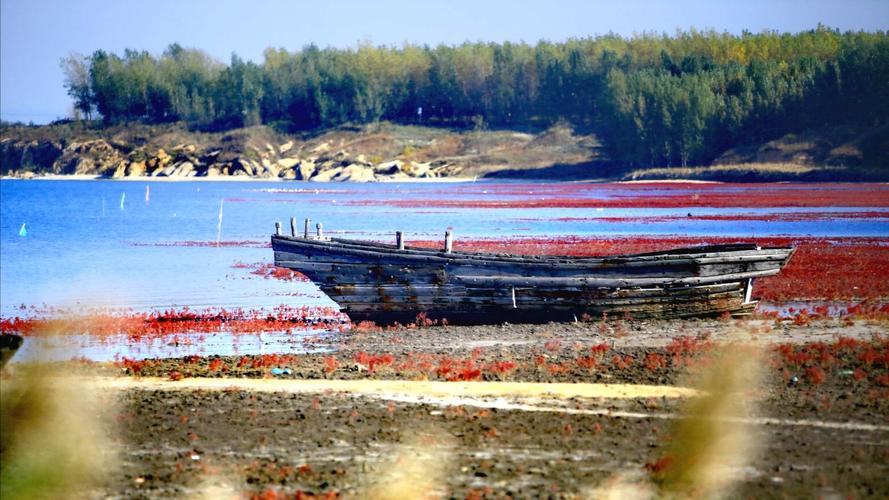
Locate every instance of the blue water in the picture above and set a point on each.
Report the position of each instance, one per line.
(84, 249)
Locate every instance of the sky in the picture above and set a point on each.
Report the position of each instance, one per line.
(36, 34)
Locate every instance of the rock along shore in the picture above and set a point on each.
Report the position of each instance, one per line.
(384, 152)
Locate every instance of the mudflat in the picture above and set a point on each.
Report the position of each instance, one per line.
(554, 410)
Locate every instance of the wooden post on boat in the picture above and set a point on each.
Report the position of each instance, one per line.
(293, 227)
(320, 229)
(308, 224)
(449, 241)
(399, 239)
(278, 228)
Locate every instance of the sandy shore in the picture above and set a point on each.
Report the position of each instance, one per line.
(417, 388)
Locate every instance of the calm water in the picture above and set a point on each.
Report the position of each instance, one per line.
(86, 247)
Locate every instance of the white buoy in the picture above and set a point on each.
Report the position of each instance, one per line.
(23, 232)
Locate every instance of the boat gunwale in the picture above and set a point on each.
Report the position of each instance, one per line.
(713, 253)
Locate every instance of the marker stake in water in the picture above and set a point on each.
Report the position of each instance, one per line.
(219, 224)
(147, 195)
(123, 197)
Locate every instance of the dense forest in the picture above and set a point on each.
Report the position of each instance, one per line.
(652, 99)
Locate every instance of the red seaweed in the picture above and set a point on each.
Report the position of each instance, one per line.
(196, 243)
(155, 324)
(664, 196)
(821, 268)
(770, 217)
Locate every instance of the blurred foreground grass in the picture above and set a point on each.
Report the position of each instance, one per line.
(54, 437)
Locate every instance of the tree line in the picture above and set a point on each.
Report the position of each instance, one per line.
(652, 99)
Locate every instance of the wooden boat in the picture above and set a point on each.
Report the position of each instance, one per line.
(394, 283)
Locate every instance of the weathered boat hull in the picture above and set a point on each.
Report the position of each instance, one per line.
(379, 282)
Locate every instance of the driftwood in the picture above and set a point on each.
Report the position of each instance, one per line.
(387, 283)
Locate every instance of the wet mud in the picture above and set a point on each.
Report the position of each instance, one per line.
(821, 412)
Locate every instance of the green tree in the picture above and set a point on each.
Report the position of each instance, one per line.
(76, 68)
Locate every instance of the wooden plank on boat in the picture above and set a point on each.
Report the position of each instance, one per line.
(703, 252)
(360, 268)
(638, 310)
(308, 247)
(382, 249)
(603, 282)
(520, 300)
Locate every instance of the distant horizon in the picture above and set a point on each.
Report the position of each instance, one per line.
(36, 35)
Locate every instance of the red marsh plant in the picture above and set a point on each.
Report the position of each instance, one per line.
(502, 369)
(621, 362)
(554, 345)
(766, 197)
(587, 363)
(457, 371)
(330, 364)
(684, 349)
(367, 327)
(599, 350)
(558, 368)
(215, 365)
(424, 321)
(445, 367)
(818, 361)
(207, 243)
(815, 375)
(821, 268)
(654, 362)
(272, 494)
(163, 323)
(467, 372)
(858, 374)
(373, 361)
(270, 271)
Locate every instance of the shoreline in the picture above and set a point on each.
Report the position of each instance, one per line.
(86, 177)
(412, 180)
(426, 180)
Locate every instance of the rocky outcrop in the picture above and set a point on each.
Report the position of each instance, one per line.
(28, 155)
(101, 158)
(247, 153)
(95, 157)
